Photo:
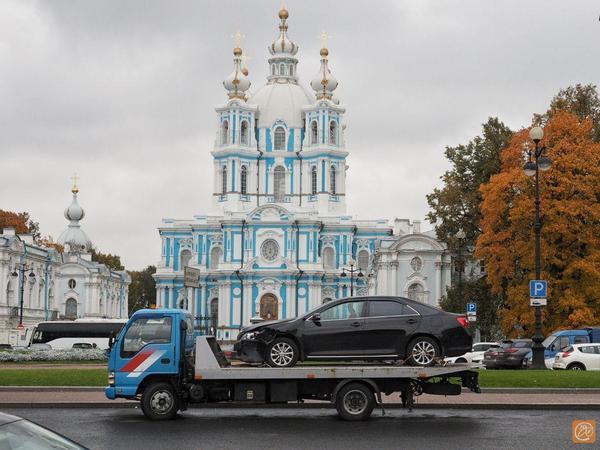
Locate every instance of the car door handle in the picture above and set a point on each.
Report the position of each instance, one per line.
(355, 324)
(165, 361)
(411, 321)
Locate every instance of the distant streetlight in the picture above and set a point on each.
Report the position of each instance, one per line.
(19, 271)
(536, 161)
(351, 272)
(460, 237)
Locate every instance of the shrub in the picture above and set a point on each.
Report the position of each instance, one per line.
(74, 354)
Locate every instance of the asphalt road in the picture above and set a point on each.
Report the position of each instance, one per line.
(275, 429)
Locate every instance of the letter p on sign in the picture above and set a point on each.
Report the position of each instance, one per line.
(538, 288)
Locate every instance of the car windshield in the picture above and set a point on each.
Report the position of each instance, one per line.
(26, 435)
(549, 340)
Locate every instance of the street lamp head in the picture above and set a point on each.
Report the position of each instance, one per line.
(360, 274)
(343, 274)
(544, 163)
(31, 274)
(529, 168)
(536, 134)
(15, 274)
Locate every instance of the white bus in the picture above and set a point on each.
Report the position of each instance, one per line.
(63, 334)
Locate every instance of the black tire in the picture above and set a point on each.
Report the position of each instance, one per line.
(282, 352)
(461, 360)
(160, 401)
(355, 402)
(422, 351)
(576, 366)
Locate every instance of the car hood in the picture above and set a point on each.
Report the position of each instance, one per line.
(271, 324)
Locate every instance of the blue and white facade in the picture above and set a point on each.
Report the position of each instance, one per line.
(279, 236)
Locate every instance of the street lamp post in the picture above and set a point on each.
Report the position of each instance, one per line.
(460, 236)
(19, 271)
(352, 271)
(536, 161)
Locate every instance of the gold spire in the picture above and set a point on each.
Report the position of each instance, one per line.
(283, 12)
(324, 36)
(75, 189)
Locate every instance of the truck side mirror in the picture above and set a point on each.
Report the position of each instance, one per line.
(111, 341)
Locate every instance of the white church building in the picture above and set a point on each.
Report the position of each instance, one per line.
(278, 241)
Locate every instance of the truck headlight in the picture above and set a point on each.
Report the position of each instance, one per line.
(111, 378)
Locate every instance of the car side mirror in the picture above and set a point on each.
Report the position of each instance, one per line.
(316, 317)
(111, 341)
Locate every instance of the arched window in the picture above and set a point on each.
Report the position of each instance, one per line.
(279, 183)
(269, 307)
(225, 132)
(244, 132)
(363, 260)
(332, 181)
(184, 258)
(71, 308)
(333, 132)
(279, 139)
(416, 292)
(313, 180)
(214, 316)
(291, 71)
(215, 257)
(244, 180)
(314, 133)
(224, 180)
(273, 69)
(281, 69)
(329, 258)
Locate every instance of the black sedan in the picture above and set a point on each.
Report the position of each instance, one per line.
(358, 328)
(510, 354)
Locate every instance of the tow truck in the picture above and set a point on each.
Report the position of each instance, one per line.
(159, 361)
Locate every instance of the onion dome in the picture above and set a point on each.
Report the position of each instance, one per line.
(324, 82)
(283, 46)
(74, 236)
(237, 83)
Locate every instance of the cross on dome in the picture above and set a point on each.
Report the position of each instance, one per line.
(237, 83)
(324, 82)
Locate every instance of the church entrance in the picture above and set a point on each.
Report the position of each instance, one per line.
(269, 307)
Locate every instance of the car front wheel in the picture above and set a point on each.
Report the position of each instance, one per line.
(576, 366)
(282, 352)
(422, 351)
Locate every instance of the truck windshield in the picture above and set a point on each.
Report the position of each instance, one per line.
(144, 331)
(549, 340)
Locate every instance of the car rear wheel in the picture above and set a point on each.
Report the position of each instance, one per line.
(461, 360)
(576, 366)
(423, 351)
(355, 401)
(282, 352)
(160, 402)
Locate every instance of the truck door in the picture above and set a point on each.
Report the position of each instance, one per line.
(148, 346)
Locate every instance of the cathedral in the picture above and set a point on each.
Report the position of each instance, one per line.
(279, 241)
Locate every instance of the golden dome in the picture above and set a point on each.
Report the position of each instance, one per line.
(283, 13)
(237, 51)
(245, 71)
(324, 52)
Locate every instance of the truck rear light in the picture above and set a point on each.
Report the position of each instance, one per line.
(462, 320)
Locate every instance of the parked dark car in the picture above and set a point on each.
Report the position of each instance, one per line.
(18, 433)
(6, 347)
(510, 354)
(358, 328)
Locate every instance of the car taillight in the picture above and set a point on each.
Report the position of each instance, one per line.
(463, 321)
(511, 350)
(566, 354)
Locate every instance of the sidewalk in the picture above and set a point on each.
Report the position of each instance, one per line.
(86, 397)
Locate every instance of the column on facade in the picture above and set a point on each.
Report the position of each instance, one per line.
(438, 282)
(248, 302)
(290, 299)
(394, 285)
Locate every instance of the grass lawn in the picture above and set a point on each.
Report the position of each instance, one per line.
(487, 378)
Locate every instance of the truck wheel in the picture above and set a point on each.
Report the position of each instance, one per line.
(282, 352)
(159, 402)
(576, 366)
(422, 351)
(354, 402)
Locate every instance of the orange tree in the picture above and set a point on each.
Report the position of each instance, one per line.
(570, 205)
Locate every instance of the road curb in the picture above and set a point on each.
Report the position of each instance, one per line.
(462, 406)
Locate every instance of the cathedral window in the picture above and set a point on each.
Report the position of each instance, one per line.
(279, 140)
(215, 257)
(313, 180)
(329, 258)
(314, 133)
(244, 180)
(279, 183)
(291, 71)
(184, 258)
(224, 180)
(225, 132)
(363, 260)
(332, 180)
(281, 69)
(244, 133)
(333, 132)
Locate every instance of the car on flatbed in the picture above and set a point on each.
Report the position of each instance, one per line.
(358, 328)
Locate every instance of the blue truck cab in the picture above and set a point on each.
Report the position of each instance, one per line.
(560, 340)
(151, 347)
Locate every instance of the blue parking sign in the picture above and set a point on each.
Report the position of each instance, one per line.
(538, 288)
(471, 307)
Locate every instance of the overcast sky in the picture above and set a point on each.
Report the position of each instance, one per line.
(123, 93)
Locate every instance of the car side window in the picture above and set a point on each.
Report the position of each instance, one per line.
(587, 349)
(144, 331)
(343, 311)
(580, 339)
(383, 308)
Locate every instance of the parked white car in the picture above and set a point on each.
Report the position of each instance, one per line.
(475, 355)
(578, 357)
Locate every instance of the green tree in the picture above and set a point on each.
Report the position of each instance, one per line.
(456, 206)
(109, 260)
(142, 290)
